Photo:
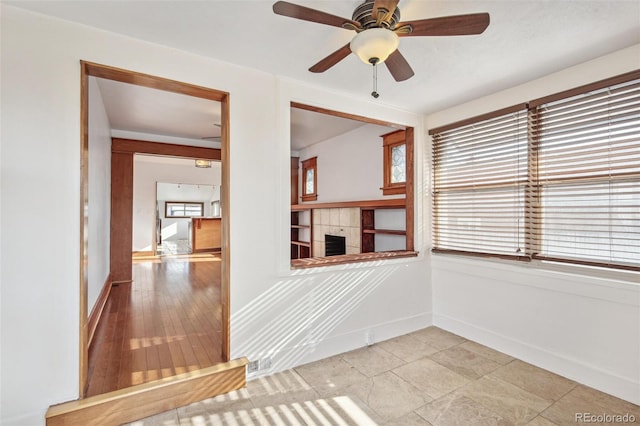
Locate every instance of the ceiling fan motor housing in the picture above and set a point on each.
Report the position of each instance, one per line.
(364, 15)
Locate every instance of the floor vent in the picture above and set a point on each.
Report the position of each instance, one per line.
(259, 364)
(253, 366)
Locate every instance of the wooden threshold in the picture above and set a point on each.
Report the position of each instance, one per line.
(137, 402)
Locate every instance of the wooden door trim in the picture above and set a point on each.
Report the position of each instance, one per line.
(134, 146)
(346, 115)
(90, 69)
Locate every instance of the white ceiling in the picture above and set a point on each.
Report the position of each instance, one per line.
(186, 192)
(146, 113)
(525, 40)
(308, 127)
(146, 110)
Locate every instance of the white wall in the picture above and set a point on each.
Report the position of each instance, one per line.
(40, 82)
(145, 176)
(98, 266)
(349, 165)
(579, 326)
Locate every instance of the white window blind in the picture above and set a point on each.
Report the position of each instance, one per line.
(564, 186)
(480, 176)
(588, 177)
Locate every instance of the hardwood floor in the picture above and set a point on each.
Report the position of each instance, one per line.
(166, 322)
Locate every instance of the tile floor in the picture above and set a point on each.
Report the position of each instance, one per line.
(430, 377)
(174, 247)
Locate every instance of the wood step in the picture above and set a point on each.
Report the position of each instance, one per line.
(147, 399)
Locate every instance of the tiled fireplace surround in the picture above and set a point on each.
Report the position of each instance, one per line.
(343, 222)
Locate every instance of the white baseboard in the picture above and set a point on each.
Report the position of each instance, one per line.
(313, 351)
(576, 370)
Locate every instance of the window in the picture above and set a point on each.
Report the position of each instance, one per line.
(564, 187)
(588, 158)
(394, 163)
(309, 179)
(183, 209)
(480, 176)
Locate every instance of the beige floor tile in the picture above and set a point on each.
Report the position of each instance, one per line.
(350, 410)
(304, 408)
(408, 347)
(466, 363)
(583, 399)
(541, 421)
(284, 398)
(486, 352)
(372, 360)
(430, 377)
(455, 409)
(329, 375)
(411, 419)
(438, 338)
(283, 382)
(508, 401)
(535, 380)
(240, 416)
(168, 418)
(387, 395)
(214, 410)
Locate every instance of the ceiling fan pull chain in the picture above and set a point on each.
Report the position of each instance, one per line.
(375, 93)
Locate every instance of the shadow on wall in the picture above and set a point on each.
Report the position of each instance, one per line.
(286, 323)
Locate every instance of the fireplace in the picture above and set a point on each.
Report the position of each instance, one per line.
(334, 245)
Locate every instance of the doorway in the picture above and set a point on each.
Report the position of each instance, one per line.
(123, 152)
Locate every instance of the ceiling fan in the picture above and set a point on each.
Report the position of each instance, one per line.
(378, 26)
(213, 138)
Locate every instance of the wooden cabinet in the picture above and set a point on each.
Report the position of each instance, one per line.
(206, 234)
(301, 234)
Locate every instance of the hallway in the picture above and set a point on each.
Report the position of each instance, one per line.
(166, 322)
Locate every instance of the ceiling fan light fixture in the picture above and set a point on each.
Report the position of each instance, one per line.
(374, 43)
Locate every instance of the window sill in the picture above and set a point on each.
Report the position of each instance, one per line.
(394, 190)
(312, 197)
(315, 262)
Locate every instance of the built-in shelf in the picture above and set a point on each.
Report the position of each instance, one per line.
(301, 249)
(302, 243)
(302, 220)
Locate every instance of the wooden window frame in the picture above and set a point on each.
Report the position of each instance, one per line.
(184, 203)
(310, 164)
(390, 141)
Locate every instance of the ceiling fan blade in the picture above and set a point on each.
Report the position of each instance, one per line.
(474, 23)
(398, 66)
(332, 59)
(389, 5)
(307, 14)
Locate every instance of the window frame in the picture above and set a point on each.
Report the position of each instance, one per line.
(535, 197)
(390, 141)
(184, 204)
(310, 164)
